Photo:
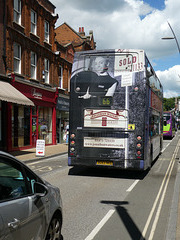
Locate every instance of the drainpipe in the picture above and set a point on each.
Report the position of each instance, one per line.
(4, 36)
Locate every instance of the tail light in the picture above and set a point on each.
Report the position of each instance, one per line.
(139, 149)
(138, 152)
(72, 144)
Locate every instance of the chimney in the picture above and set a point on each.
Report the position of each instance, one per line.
(81, 31)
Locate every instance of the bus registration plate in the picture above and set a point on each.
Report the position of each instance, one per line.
(104, 163)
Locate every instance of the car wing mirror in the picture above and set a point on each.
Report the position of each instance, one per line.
(40, 189)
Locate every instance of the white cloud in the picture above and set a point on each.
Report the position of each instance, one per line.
(170, 80)
(126, 24)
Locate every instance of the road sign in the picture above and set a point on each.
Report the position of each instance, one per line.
(40, 148)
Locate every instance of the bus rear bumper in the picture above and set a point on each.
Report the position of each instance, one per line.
(130, 164)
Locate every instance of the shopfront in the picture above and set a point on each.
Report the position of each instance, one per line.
(36, 122)
(14, 108)
(62, 119)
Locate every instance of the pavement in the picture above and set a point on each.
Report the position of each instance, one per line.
(173, 231)
(29, 155)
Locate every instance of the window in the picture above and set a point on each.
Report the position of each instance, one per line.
(33, 22)
(17, 11)
(60, 76)
(154, 125)
(45, 124)
(46, 70)
(33, 65)
(46, 31)
(69, 77)
(17, 58)
(20, 126)
(12, 182)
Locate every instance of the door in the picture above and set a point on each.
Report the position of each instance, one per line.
(22, 213)
(34, 130)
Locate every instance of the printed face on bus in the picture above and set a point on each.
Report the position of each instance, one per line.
(99, 64)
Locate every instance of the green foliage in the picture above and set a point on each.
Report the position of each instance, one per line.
(169, 103)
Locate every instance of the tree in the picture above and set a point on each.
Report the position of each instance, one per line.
(168, 104)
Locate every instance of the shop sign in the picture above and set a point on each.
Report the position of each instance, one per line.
(40, 148)
(63, 104)
(36, 94)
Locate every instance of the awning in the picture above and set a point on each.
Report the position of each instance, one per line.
(10, 94)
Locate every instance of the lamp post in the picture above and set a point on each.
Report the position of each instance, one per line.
(169, 38)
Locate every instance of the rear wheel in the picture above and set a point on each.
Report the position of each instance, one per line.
(54, 230)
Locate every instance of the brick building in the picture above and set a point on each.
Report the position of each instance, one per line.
(31, 62)
(68, 41)
(65, 35)
(37, 68)
(65, 60)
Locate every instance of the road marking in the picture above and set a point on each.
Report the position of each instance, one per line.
(44, 168)
(132, 186)
(165, 147)
(164, 182)
(100, 225)
(29, 164)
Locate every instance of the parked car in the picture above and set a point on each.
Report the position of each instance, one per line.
(30, 208)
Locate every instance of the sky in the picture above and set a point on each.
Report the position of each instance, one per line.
(131, 24)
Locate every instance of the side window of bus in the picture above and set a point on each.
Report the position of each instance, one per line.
(154, 125)
(153, 80)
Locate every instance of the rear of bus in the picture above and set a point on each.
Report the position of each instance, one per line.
(169, 125)
(109, 111)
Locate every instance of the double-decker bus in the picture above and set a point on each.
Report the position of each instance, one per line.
(169, 127)
(116, 113)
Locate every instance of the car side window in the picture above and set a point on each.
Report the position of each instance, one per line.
(12, 182)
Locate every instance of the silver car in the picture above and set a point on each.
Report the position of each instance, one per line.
(30, 208)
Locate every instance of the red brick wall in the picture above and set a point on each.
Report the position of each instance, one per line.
(28, 41)
(2, 67)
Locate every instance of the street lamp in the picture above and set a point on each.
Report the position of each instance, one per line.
(169, 38)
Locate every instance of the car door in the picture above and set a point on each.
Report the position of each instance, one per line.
(22, 212)
(1, 228)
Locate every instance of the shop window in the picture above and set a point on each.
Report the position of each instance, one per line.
(17, 58)
(45, 124)
(17, 11)
(20, 126)
(33, 22)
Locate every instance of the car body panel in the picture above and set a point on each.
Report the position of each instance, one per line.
(25, 213)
